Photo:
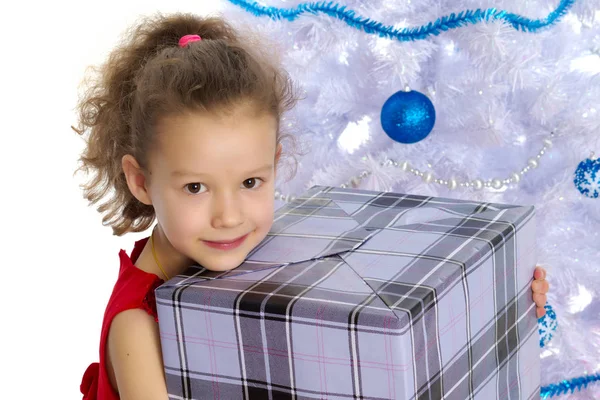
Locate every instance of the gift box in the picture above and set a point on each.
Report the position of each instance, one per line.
(357, 294)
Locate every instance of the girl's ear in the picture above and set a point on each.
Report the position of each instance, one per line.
(136, 179)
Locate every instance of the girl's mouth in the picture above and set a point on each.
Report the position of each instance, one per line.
(226, 245)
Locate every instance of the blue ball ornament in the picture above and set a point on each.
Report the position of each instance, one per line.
(587, 177)
(408, 116)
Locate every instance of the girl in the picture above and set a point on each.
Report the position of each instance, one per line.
(185, 129)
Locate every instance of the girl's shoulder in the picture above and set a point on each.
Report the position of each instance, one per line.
(134, 287)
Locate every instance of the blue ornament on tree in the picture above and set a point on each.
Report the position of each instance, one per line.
(547, 325)
(587, 177)
(408, 116)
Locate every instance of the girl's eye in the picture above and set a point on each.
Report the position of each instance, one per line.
(193, 188)
(252, 183)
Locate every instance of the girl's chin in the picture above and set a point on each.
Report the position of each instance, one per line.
(221, 261)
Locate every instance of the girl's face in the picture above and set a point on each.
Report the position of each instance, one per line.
(212, 179)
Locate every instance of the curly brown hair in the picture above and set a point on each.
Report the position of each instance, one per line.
(149, 76)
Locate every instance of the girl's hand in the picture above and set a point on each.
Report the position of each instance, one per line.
(540, 287)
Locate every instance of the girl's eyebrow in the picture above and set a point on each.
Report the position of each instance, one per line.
(179, 173)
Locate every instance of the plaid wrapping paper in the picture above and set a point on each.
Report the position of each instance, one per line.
(357, 294)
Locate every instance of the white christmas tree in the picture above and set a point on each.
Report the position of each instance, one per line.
(498, 92)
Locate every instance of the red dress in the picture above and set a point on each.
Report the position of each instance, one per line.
(134, 289)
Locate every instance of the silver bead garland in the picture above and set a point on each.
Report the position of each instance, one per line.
(428, 177)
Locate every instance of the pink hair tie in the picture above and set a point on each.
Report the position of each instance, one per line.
(188, 39)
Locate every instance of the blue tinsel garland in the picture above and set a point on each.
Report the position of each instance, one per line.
(444, 23)
(566, 386)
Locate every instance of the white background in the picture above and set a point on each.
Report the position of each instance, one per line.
(57, 262)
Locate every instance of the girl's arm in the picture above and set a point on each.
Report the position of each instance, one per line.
(135, 355)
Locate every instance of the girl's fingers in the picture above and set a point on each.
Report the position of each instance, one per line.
(539, 299)
(539, 273)
(540, 286)
(540, 311)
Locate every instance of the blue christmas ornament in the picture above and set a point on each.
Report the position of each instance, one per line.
(547, 325)
(587, 177)
(408, 116)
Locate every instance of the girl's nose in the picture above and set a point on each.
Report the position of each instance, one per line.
(227, 211)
